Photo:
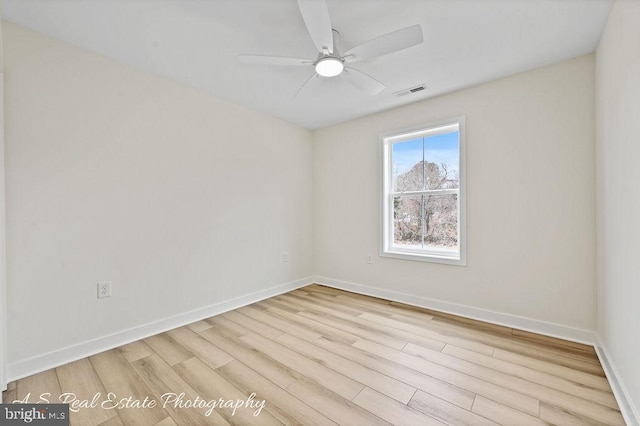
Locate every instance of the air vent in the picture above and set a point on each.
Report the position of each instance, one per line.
(410, 90)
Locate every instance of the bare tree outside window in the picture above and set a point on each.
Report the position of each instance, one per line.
(438, 214)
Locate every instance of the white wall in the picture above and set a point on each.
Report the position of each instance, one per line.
(181, 199)
(3, 275)
(530, 198)
(618, 194)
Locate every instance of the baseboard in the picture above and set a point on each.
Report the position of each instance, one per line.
(629, 411)
(27, 367)
(560, 331)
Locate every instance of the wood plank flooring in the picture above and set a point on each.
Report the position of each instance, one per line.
(323, 356)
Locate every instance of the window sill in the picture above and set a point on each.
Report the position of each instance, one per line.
(423, 257)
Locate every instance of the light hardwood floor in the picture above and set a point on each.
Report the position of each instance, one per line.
(323, 356)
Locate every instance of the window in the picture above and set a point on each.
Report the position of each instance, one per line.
(423, 204)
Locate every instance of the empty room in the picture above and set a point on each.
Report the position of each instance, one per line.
(331, 212)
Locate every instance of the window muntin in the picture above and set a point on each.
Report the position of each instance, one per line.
(423, 200)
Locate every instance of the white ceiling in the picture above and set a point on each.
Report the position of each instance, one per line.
(196, 42)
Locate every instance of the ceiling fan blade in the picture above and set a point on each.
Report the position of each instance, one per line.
(316, 17)
(385, 44)
(362, 81)
(305, 84)
(272, 60)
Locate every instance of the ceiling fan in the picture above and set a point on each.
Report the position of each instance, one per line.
(330, 62)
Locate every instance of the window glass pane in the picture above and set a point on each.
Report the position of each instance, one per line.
(441, 221)
(423, 180)
(407, 225)
(407, 171)
(442, 160)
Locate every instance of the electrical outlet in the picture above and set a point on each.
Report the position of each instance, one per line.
(104, 289)
(285, 257)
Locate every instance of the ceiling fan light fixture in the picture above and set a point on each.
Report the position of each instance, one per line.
(329, 67)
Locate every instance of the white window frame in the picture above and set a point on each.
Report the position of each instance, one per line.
(386, 141)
